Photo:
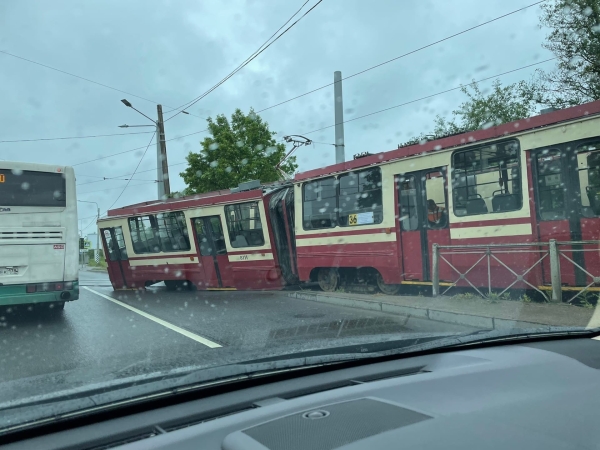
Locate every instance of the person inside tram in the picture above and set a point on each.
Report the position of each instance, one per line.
(435, 213)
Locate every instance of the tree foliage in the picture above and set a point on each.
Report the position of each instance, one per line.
(574, 39)
(238, 150)
(483, 110)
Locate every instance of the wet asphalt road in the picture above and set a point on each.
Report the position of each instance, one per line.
(95, 338)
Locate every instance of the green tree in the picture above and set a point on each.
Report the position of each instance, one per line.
(483, 110)
(238, 150)
(574, 39)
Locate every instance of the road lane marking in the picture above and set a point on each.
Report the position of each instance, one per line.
(168, 325)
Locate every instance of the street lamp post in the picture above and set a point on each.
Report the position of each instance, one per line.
(97, 249)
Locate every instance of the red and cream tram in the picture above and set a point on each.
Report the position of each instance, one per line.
(376, 217)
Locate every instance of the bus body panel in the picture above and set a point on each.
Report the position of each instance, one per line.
(39, 244)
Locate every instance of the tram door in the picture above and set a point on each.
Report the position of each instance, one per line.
(567, 181)
(423, 216)
(212, 252)
(117, 261)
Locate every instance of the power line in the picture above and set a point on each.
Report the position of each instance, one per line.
(350, 76)
(129, 174)
(405, 54)
(271, 37)
(355, 118)
(137, 148)
(86, 227)
(87, 79)
(432, 95)
(114, 178)
(246, 62)
(75, 137)
(111, 189)
(385, 109)
(88, 217)
(136, 168)
(146, 183)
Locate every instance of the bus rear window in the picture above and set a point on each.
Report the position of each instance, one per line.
(31, 188)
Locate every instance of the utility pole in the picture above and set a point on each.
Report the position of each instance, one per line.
(97, 253)
(164, 186)
(339, 117)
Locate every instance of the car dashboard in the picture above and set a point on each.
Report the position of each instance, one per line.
(533, 395)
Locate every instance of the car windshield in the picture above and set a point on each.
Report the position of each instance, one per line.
(203, 185)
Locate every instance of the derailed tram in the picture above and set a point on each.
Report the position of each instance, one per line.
(512, 190)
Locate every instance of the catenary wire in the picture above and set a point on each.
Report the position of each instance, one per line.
(404, 55)
(244, 64)
(86, 79)
(75, 137)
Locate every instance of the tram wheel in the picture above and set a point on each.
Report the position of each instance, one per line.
(388, 289)
(328, 279)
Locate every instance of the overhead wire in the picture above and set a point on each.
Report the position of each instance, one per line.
(322, 87)
(136, 168)
(431, 95)
(244, 64)
(75, 137)
(113, 178)
(396, 106)
(146, 183)
(137, 148)
(87, 226)
(404, 55)
(345, 78)
(138, 172)
(87, 79)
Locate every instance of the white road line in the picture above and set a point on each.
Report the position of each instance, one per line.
(168, 325)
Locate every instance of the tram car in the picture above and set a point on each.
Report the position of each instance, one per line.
(377, 217)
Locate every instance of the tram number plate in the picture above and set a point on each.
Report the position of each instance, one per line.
(9, 270)
(361, 218)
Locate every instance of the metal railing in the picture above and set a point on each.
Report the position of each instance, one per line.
(553, 250)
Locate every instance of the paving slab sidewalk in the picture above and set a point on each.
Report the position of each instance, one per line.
(479, 313)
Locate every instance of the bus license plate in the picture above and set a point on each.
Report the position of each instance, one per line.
(9, 270)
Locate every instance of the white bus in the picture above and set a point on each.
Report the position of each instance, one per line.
(39, 245)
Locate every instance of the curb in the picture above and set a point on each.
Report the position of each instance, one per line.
(95, 269)
(472, 320)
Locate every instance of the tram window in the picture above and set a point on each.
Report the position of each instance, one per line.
(172, 231)
(487, 179)
(551, 185)
(409, 219)
(120, 242)
(111, 245)
(205, 247)
(244, 225)
(359, 201)
(216, 234)
(588, 167)
(319, 204)
(435, 193)
(143, 237)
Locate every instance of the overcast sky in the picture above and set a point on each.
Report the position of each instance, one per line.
(170, 51)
